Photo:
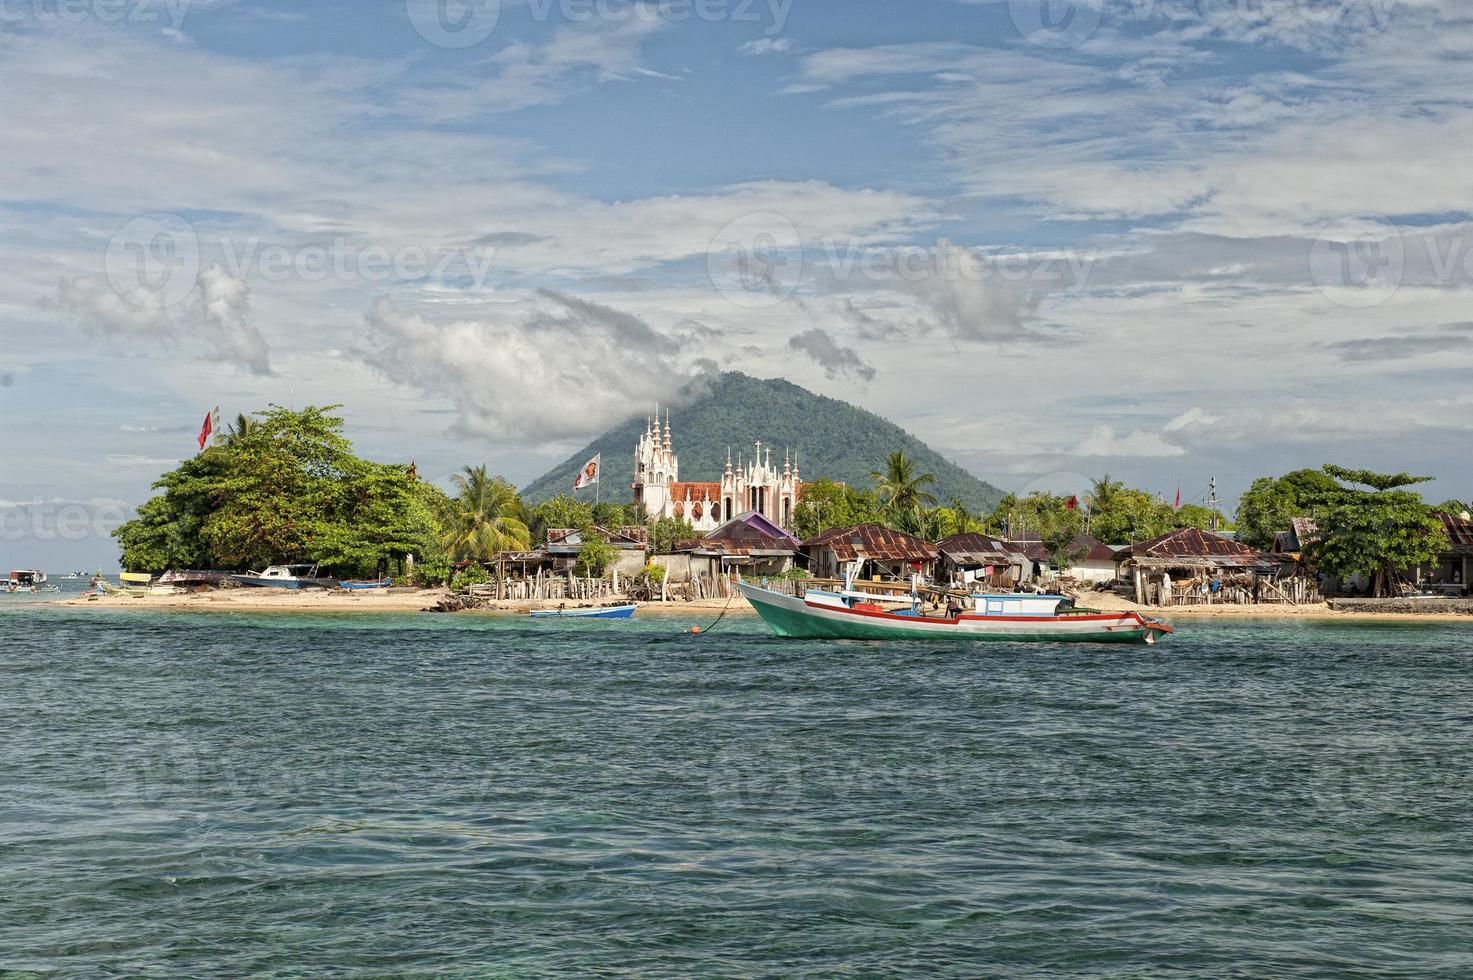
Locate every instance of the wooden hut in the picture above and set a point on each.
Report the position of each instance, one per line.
(966, 559)
(883, 552)
(1190, 566)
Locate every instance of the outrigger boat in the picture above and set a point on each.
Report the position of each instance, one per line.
(1013, 617)
(623, 611)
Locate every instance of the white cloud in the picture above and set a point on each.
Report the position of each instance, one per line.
(1104, 441)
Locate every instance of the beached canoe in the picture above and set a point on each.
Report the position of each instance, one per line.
(595, 612)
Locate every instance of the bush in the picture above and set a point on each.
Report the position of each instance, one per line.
(469, 576)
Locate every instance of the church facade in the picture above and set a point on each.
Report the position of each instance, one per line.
(754, 485)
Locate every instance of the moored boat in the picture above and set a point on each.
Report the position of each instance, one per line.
(622, 611)
(1008, 617)
(286, 577)
(28, 581)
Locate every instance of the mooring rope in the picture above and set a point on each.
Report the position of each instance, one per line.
(696, 630)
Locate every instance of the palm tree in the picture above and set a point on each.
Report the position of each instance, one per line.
(900, 487)
(963, 521)
(485, 517)
(239, 429)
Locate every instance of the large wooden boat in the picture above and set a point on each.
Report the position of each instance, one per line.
(286, 577)
(1009, 617)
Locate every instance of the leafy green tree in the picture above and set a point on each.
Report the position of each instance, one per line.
(383, 515)
(664, 532)
(284, 487)
(238, 429)
(485, 517)
(615, 516)
(1133, 515)
(595, 555)
(827, 504)
(1058, 531)
(1267, 506)
(1453, 507)
(1195, 515)
(1374, 526)
(1102, 495)
(563, 510)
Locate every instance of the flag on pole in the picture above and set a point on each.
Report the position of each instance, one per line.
(1178, 499)
(206, 429)
(215, 423)
(588, 474)
(1072, 503)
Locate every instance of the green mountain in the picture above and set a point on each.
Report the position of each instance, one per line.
(833, 439)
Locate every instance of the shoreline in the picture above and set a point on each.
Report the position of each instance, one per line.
(373, 601)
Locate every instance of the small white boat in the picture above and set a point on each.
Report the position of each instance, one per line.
(27, 581)
(286, 577)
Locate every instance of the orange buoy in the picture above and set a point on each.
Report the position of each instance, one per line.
(695, 629)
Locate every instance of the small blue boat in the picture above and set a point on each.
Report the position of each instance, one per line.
(596, 612)
(382, 583)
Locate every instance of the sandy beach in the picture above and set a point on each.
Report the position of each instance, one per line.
(414, 600)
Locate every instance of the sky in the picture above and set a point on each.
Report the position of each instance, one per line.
(1171, 240)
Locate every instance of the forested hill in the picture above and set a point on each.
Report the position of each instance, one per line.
(833, 439)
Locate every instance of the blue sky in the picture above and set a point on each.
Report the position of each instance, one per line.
(1167, 239)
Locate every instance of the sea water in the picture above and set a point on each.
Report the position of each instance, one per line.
(215, 794)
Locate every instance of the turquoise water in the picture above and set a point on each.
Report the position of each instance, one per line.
(291, 795)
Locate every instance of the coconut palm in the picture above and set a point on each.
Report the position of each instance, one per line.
(239, 429)
(485, 517)
(901, 488)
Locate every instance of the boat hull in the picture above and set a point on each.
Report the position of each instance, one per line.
(789, 616)
(259, 582)
(610, 612)
(381, 584)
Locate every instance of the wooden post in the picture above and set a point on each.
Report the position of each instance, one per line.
(1140, 587)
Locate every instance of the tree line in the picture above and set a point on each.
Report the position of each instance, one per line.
(286, 486)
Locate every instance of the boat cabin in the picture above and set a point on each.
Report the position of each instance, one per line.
(1020, 604)
(26, 578)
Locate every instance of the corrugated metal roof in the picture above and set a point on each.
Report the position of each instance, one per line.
(1191, 542)
(1459, 533)
(875, 542)
(978, 549)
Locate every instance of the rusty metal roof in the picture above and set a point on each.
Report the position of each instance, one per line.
(1459, 533)
(1191, 542)
(875, 542)
(978, 549)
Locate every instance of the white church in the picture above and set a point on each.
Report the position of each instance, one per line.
(754, 485)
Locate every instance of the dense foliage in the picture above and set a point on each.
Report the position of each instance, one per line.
(1267, 506)
(1373, 526)
(285, 486)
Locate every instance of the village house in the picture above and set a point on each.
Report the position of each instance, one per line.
(754, 485)
(884, 553)
(966, 559)
(748, 543)
(1190, 566)
(1456, 562)
(563, 544)
(1092, 560)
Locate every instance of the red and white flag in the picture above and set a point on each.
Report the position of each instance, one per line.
(206, 429)
(588, 474)
(1178, 499)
